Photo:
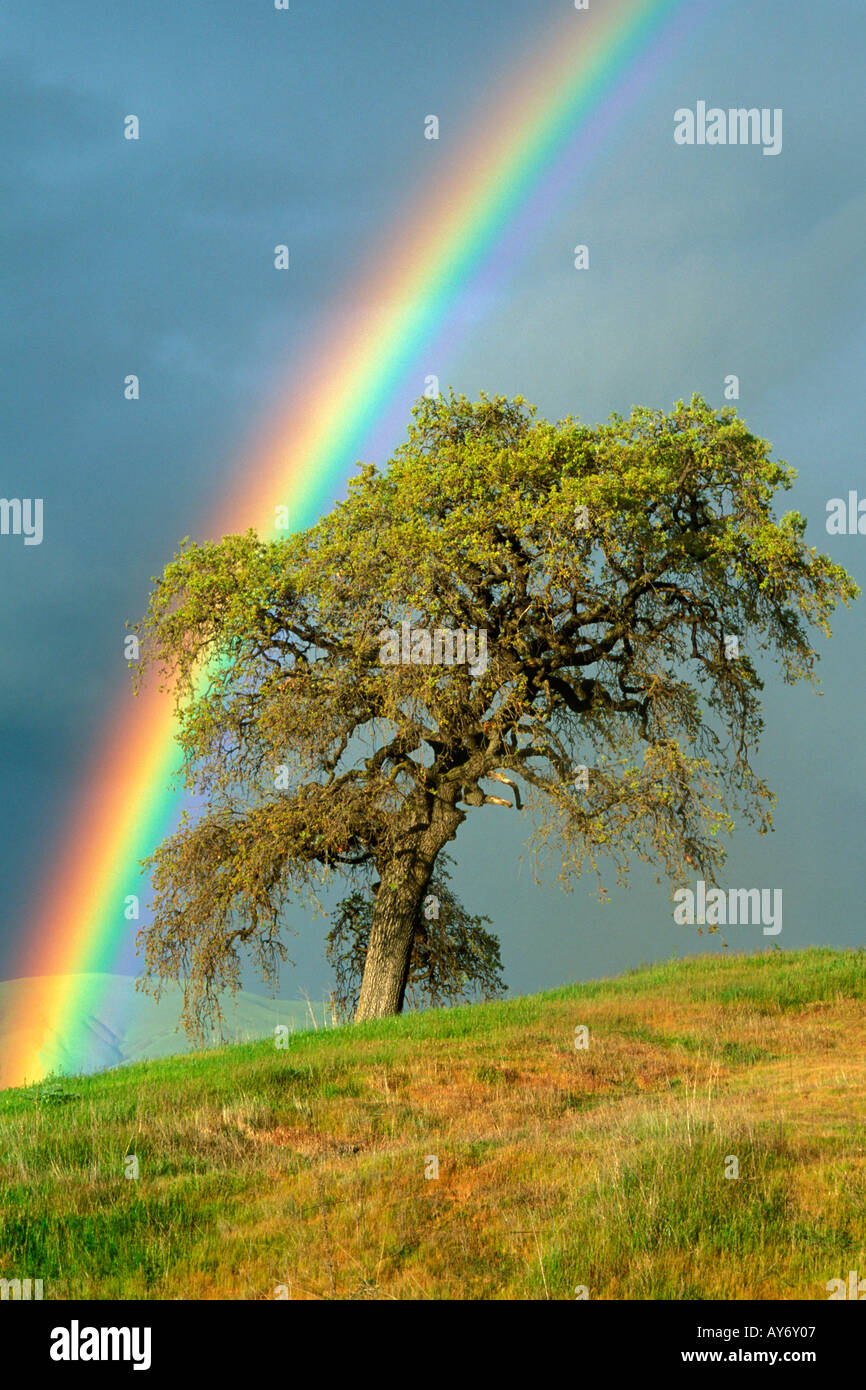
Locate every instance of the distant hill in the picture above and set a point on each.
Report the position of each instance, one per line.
(125, 1026)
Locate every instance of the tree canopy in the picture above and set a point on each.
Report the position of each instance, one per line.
(555, 617)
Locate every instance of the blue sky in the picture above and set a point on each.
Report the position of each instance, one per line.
(259, 127)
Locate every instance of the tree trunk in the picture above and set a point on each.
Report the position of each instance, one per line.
(389, 952)
(403, 884)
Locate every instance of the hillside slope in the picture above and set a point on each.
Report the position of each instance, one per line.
(301, 1173)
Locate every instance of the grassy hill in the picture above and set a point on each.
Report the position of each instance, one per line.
(301, 1173)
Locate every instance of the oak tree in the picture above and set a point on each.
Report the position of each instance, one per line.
(621, 581)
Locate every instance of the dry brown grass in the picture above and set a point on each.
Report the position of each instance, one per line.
(556, 1167)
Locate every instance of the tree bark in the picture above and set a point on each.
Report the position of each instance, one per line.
(399, 900)
(389, 953)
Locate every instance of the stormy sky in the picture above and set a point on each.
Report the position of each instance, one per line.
(259, 127)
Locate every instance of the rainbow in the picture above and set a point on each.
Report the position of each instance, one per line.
(547, 122)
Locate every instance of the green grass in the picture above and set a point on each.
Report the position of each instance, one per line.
(304, 1169)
